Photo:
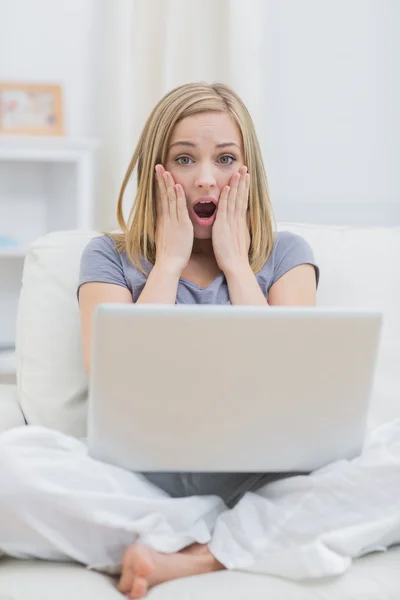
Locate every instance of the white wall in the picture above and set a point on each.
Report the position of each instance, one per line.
(333, 109)
(50, 41)
(327, 108)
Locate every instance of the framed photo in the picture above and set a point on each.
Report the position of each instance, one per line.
(30, 109)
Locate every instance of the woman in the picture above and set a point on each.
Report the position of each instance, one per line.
(200, 231)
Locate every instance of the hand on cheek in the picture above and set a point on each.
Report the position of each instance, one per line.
(174, 230)
(230, 233)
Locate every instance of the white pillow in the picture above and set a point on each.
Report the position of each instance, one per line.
(52, 383)
(360, 268)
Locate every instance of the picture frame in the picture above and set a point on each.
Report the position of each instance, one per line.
(31, 109)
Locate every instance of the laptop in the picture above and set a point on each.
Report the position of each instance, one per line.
(229, 388)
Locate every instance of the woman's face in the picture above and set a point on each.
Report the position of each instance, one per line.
(204, 152)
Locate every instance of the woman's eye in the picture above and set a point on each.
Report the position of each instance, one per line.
(229, 157)
(226, 159)
(183, 158)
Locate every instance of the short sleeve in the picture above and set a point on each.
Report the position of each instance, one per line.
(292, 250)
(100, 261)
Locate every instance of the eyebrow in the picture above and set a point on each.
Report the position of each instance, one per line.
(190, 144)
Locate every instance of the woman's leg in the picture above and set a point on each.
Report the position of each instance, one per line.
(155, 567)
(313, 526)
(145, 567)
(57, 503)
(230, 487)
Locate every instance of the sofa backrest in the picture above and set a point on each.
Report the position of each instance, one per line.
(359, 267)
(51, 380)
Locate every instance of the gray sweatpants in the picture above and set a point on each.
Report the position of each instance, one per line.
(230, 487)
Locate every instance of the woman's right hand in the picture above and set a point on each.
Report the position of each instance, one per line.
(174, 229)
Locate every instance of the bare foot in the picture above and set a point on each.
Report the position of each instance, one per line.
(144, 567)
(196, 549)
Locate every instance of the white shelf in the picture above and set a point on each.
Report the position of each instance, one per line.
(46, 185)
(8, 366)
(13, 252)
(7, 361)
(36, 148)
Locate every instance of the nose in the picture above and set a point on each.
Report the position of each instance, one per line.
(205, 177)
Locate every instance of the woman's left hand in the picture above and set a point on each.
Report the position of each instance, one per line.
(230, 233)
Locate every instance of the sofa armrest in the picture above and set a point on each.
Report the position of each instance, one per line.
(10, 411)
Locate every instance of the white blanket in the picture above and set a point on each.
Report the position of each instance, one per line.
(314, 526)
(58, 503)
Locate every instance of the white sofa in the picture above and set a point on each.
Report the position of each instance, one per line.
(359, 267)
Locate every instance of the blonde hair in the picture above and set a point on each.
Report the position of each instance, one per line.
(138, 234)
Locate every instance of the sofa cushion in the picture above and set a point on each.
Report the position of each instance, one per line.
(41, 580)
(10, 411)
(373, 577)
(52, 383)
(359, 267)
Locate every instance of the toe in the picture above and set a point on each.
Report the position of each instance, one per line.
(126, 581)
(143, 562)
(139, 588)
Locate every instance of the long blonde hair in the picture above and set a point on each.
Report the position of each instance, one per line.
(138, 234)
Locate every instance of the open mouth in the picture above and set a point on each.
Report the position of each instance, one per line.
(204, 210)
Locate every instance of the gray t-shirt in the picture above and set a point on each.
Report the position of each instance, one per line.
(101, 262)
